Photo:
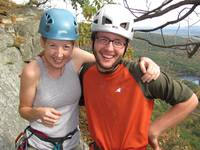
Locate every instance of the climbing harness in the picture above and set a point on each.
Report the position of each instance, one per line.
(94, 146)
(57, 142)
(21, 142)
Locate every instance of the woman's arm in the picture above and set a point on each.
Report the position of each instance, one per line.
(150, 69)
(28, 82)
(28, 86)
(80, 57)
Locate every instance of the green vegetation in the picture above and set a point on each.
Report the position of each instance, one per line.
(175, 62)
(6, 6)
(183, 137)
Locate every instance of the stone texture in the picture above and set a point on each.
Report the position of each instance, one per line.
(13, 52)
(10, 121)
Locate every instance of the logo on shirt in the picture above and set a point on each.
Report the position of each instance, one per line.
(118, 90)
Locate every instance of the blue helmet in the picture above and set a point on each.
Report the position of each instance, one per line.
(58, 24)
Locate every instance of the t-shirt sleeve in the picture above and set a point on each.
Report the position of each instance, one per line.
(164, 88)
(168, 89)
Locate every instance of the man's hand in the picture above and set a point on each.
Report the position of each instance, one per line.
(153, 141)
(150, 69)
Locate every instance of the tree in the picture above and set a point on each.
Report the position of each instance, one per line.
(188, 7)
(89, 9)
(37, 3)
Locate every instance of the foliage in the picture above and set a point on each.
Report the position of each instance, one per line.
(84, 36)
(89, 7)
(193, 86)
(189, 131)
(175, 62)
(129, 55)
(185, 136)
(198, 94)
(88, 11)
(6, 6)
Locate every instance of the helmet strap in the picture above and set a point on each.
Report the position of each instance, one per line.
(126, 46)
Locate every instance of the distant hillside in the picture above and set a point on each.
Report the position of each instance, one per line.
(170, 60)
(183, 31)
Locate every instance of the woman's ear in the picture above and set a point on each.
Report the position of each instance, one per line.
(42, 42)
(41, 54)
(75, 44)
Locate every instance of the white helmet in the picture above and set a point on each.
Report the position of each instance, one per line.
(114, 18)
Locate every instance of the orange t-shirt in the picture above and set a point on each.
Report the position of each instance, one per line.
(117, 110)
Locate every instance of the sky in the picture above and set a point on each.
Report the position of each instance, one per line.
(136, 4)
(145, 4)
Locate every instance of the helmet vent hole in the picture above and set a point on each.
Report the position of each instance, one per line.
(125, 25)
(75, 23)
(50, 21)
(106, 21)
(47, 16)
(132, 30)
(96, 21)
(97, 13)
(47, 28)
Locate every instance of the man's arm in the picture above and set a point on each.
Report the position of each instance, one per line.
(171, 118)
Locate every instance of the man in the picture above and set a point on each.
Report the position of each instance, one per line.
(118, 104)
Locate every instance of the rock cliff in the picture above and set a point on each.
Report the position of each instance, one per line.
(19, 42)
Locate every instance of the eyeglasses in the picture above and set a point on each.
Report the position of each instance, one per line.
(116, 42)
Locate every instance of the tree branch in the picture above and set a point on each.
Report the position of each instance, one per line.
(190, 47)
(158, 12)
(170, 22)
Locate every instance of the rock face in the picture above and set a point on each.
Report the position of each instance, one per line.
(19, 42)
(10, 122)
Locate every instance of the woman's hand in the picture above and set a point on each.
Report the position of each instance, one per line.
(49, 116)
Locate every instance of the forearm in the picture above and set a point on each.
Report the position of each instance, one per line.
(30, 113)
(174, 116)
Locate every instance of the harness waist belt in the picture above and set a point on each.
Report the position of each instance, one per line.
(57, 141)
(94, 146)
